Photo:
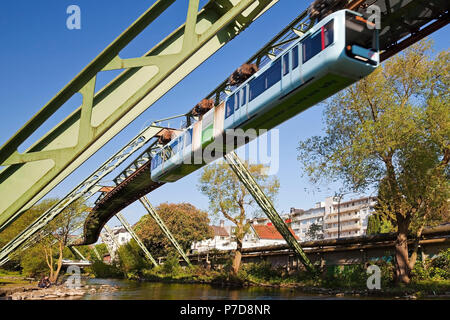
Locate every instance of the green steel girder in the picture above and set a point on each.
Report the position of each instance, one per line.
(152, 212)
(28, 176)
(266, 205)
(96, 253)
(77, 252)
(136, 238)
(85, 189)
(108, 244)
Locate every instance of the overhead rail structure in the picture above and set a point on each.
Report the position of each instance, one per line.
(402, 24)
(30, 175)
(419, 14)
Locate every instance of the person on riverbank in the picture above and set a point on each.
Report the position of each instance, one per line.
(44, 283)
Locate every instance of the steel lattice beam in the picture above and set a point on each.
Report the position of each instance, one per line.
(85, 189)
(266, 205)
(30, 175)
(152, 212)
(77, 252)
(136, 238)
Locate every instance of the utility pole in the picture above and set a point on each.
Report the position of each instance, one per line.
(339, 196)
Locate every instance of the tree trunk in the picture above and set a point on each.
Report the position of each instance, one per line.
(54, 279)
(402, 270)
(237, 256)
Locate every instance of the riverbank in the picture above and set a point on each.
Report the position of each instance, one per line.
(261, 276)
(13, 286)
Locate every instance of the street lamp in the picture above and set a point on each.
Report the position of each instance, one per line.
(338, 197)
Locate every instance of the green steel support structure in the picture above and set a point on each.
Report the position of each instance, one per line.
(136, 238)
(86, 189)
(266, 205)
(96, 253)
(152, 212)
(30, 175)
(77, 252)
(110, 247)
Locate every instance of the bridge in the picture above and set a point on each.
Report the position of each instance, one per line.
(29, 176)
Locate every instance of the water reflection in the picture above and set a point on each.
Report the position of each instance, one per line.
(133, 290)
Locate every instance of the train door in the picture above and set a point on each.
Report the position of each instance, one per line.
(241, 103)
(295, 65)
(286, 72)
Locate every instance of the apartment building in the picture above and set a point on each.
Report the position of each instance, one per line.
(352, 216)
(301, 220)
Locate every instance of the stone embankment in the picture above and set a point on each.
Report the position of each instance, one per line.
(55, 292)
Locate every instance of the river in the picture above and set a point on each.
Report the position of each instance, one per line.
(135, 290)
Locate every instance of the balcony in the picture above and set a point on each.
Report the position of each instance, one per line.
(343, 218)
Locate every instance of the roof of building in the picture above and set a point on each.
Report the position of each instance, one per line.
(270, 232)
(219, 231)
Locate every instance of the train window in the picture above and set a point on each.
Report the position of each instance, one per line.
(328, 33)
(294, 57)
(188, 137)
(243, 96)
(312, 46)
(274, 74)
(174, 147)
(237, 100)
(257, 86)
(265, 80)
(229, 110)
(286, 64)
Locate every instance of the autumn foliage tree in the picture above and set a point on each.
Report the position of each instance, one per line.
(229, 198)
(185, 222)
(391, 131)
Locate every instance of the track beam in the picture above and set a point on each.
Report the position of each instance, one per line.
(31, 175)
(266, 205)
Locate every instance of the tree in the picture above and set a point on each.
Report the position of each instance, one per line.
(131, 258)
(186, 223)
(53, 238)
(229, 197)
(27, 218)
(377, 224)
(391, 131)
(315, 232)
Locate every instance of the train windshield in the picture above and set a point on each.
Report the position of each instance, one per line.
(360, 32)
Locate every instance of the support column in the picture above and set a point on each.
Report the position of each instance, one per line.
(96, 253)
(76, 252)
(266, 205)
(152, 212)
(109, 245)
(136, 238)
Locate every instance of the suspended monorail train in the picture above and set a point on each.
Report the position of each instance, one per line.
(335, 53)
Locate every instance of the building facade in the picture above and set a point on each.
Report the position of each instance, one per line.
(353, 218)
(351, 215)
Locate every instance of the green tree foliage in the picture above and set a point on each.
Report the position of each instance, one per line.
(391, 131)
(132, 259)
(33, 263)
(314, 232)
(378, 224)
(185, 222)
(25, 220)
(228, 197)
(48, 246)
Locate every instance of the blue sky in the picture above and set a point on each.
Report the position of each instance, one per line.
(39, 56)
